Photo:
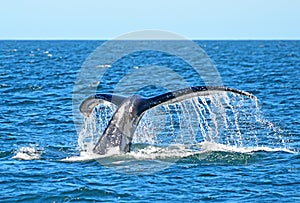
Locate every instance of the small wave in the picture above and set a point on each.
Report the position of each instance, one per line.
(4, 85)
(28, 153)
(4, 154)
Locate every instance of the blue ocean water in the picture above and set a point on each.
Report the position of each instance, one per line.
(36, 85)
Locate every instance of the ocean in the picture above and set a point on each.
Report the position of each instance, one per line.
(44, 154)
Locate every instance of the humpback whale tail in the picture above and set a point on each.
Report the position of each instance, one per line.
(120, 129)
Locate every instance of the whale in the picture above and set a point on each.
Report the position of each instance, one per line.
(119, 132)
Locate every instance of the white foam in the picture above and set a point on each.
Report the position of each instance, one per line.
(28, 153)
(90, 156)
(103, 66)
(177, 151)
(182, 151)
(212, 146)
(155, 152)
(84, 156)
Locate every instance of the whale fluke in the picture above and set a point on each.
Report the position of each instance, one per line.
(120, 129)
(88, 105)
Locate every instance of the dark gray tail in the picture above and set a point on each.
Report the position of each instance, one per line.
(125, 120)
(88, 105)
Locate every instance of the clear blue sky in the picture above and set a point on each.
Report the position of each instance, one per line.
(106, 19)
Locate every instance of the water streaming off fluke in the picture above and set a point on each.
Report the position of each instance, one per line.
(224, 118)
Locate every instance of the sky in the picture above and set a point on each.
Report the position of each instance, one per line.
(107, 19)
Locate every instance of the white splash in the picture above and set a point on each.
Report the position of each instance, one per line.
(28, 153)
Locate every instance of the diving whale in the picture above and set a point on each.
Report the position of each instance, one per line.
(121, 127)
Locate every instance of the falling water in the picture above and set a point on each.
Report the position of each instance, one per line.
(223, 118)
(94, 126)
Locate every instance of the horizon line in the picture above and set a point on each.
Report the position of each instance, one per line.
(107, 39)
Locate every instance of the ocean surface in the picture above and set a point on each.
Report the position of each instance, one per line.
(247, 153)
